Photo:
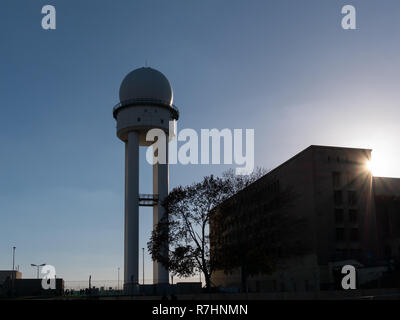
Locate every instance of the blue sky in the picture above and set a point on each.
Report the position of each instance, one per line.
(284, 68)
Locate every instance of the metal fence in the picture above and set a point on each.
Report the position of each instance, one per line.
(105, 285)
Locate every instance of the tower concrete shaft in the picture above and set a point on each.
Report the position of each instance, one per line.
(131, 267)
(160, 187)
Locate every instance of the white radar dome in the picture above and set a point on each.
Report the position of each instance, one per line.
(146, 84)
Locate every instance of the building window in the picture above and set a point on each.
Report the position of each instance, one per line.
(162, 120)
(388, 251)
(354, 234)
(355, 254)
(337, 197)
(352, 198)
(258, 286)
(339, 234)
(349, 178)
(276, 186)
(336, 179)
(341, 254)
(339, 215)
(353, 215)
(138, 119)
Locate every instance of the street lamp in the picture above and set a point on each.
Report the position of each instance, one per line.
(38, 266)
(118, 278)
(143, 265)
(14, 258)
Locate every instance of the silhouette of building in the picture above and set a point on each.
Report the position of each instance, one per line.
(12, 285)
(349, 216)
(387, 206)
(9, 274)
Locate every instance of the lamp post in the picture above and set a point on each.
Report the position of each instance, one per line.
(143, 265)
(14, 258)
(13, 275)
(118, 278)
(38, 266)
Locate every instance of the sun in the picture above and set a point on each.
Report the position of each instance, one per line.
(383, 163)
(379, 166)
(370, 166)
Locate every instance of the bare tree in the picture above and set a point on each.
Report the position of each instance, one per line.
(237, 183)
(187, 228)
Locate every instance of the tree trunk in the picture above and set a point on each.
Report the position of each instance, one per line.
(208, 282)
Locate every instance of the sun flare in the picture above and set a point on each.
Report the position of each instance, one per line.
(370, 166)
(382, 165)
